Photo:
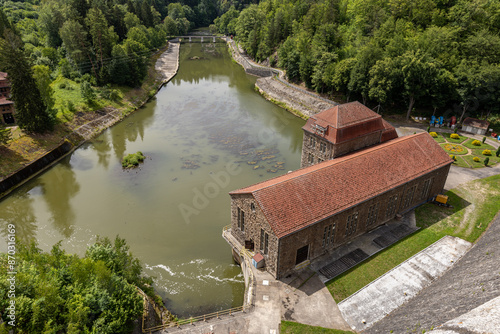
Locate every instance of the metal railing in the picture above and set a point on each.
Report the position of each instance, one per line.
(198, 319)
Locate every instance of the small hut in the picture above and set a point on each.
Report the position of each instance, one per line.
(475, 126)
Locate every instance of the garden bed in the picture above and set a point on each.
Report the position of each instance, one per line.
(454, 149)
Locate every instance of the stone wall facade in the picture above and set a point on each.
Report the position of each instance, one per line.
(254, 222)
(369, 214)
(311, 149)
(312, 152)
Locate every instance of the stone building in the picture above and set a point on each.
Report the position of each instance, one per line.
(294, 218)
(476, 126)
(340, 130)
(6, 106)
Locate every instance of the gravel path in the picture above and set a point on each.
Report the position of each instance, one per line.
(471, 282)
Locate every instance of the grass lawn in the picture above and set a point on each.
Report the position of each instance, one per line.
(468, 144)
(454, 149)
(475, 204)
(461, 162)
(451, 140)
(439, 138)
(480, 164)
(290, 327)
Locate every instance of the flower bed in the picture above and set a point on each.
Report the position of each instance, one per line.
(454, 149)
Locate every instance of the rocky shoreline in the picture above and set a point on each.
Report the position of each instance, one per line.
(273, 87)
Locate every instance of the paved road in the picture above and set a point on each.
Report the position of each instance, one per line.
(471, 282)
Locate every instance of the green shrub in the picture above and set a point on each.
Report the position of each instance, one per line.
(486, 161)
(132, 160)
(454, 136)
(428, 128)
(456, 128)
(272, 61)
(476, 143)
(71, 106)
(486, 152)
(476, 159)
(433, 134)
(484, 139)
(114, 95)
(453, 157)
(498, 152)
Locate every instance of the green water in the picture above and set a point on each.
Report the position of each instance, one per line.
(204, 135)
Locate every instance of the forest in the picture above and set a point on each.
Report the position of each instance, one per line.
(432, 54)
(57, 292)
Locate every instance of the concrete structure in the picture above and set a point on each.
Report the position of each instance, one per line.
(341, 130)
(379, 298)
(475, 126)
(6, 106)
(300, 216)
(469, 283)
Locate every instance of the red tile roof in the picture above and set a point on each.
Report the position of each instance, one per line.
(477, 123)
(345, 122)
(4, 101)
(389, 132)
(301, 198)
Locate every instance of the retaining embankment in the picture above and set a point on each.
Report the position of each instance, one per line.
(297, 102)
(273, 86)
(35, 167)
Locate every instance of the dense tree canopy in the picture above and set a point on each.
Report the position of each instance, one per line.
(432, 54)
(110, 40)
(61, 293)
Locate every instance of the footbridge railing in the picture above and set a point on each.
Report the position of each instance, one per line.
(203, 38)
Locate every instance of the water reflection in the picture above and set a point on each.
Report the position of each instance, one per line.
(19, 211)
(102, 147)
(59, 188)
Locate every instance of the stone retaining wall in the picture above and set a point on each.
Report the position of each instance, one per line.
(35, 167)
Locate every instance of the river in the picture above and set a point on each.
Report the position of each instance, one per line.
(207, 132)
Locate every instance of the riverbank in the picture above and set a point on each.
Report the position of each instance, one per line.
(28, 155)
(273, 86)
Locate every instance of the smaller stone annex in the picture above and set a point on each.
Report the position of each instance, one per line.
(299, 216)
(342, 129)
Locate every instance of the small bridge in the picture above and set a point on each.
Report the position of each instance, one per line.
(208, 38)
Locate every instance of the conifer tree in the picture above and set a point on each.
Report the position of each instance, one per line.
(31, 110)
